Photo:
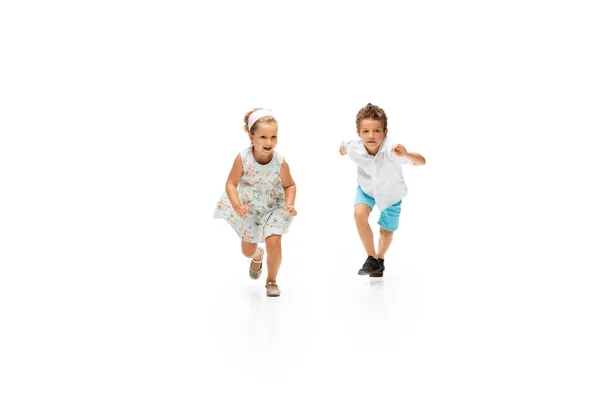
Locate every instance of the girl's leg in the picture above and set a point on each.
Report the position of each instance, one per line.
(274, 260)
(361, 216)
(385, 239)
(250, 250)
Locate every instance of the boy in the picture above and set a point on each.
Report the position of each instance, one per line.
(380, 182)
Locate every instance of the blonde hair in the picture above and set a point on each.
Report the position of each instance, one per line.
(266, 120)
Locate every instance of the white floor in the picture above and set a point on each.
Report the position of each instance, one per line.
(166, 318)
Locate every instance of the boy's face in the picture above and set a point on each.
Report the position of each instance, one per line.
(265, 138)
(371, 133)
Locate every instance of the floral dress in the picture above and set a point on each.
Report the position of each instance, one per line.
(261, 189)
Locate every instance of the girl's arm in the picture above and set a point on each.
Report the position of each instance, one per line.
(289, 186)
(231, 187)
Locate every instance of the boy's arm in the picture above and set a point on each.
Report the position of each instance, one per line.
(231, 187)
(349, 147)
(415, 158)
(289, 186)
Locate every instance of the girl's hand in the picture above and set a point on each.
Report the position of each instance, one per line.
(399, 150)
(290, 210)
(242, 209)
(342, 149)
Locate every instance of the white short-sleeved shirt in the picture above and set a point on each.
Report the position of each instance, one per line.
(379, 176)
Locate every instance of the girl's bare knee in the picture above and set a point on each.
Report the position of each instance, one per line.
(248, 249)
(273, 243)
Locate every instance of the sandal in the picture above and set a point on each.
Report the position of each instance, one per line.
(255, 274)
(272, 292)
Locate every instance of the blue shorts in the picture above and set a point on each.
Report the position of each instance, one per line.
(389, 218)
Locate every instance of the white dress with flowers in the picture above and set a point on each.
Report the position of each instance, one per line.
(261, 189)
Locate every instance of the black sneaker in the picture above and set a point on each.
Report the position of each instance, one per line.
(371, 264)
(378, 273)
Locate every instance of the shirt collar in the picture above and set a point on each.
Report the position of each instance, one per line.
(381, 147)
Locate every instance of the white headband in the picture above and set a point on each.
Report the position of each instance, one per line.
(256, 115)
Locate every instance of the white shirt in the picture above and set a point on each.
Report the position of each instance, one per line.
(379, 176)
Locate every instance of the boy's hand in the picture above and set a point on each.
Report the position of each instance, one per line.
(342, 149)
(290, 210)
(242, 209)
(399, 150)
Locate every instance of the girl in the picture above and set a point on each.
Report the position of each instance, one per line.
(259, 197)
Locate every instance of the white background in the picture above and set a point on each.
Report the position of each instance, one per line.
(119, 122)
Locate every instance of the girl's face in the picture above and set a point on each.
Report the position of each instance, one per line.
(371, 133)
(264, 138)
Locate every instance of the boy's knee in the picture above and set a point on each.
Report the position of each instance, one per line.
(361, 214)
(385, 233)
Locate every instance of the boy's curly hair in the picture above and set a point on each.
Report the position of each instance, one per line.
(372, 112)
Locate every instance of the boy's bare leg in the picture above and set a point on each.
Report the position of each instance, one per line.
(361, 216)
(385, 239)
